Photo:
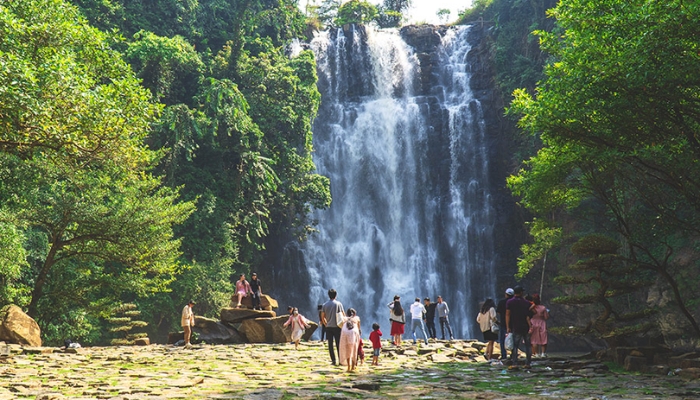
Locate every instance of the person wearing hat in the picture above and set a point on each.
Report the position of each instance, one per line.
(518, 324)
(255, 290)
(187, 322)
(501, 311)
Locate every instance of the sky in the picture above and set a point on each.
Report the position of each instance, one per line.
(421, 10)
(426, 10)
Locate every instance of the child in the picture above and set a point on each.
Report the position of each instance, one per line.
(375, 338)
(361, 352)
(298, 325)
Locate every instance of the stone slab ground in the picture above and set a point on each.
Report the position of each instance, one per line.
(439, 371)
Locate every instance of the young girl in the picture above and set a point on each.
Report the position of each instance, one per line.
(398, 320)
(299, 325)
(487, 319)
(242, 289)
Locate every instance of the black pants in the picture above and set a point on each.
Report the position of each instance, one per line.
(430, 324)
(323, 332)
(256, 300)
(333, 333)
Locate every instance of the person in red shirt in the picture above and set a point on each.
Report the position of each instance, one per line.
(375, 338)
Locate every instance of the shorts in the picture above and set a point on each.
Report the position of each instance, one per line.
(376, 352)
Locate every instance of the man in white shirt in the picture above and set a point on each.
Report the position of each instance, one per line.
(417, 311)
(187, 322)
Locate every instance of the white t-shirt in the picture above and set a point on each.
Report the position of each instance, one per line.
(417, 310)
(187, 316)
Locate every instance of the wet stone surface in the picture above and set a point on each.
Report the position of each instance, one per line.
(439, 371)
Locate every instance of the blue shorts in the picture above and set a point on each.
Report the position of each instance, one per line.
(375, 352)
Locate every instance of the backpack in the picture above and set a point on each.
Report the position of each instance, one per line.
(349, 324)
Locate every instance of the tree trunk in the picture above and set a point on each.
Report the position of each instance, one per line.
(41, 278)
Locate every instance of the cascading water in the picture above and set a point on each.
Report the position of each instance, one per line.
(412, 212)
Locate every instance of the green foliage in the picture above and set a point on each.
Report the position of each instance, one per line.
(443, 14)
(618, 114)
(355, 12)
(545, 239)
(390, 13)
(123, 323)
(606, 282)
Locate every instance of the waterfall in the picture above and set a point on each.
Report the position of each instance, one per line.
(412, 210)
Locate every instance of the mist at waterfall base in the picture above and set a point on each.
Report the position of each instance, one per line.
(409, 165)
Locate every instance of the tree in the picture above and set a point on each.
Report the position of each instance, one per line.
(355, 12)
(605, 279)
(443, 14)
(391, 13)
(619, 118)
(73, 119)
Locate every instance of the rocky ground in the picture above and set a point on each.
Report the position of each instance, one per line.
(442, 370)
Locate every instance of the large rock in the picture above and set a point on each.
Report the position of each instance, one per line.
(271, 330)
(266, 302)
(212, 331)
(17, 327)
(235, 315)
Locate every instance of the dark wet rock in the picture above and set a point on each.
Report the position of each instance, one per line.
(635, 364)
(214, 332)
(235, 315)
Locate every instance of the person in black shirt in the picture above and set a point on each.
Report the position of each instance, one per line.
(501, 311)
(429, 317)
(256, 289)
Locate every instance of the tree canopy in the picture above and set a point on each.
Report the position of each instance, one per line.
(619, 118)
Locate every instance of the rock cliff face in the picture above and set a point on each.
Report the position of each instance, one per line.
(411, 133)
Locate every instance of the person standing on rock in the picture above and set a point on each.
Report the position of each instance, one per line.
(187, 322)
(417, 312)
(398, 320)
(332, 316)
(429, 317)
(443, 312)
(518, 324)
(255, 290)
(298, 324)
(242, 289)
(501, 311)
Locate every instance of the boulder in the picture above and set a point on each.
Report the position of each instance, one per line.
(309, 331)
(271, 330)
(690, 373)
(142, 341)
(212, 331)
(635, 364)
(17, 327)
(235, 315)
(266, 302)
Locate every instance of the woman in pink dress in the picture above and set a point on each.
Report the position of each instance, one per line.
(349, 340)
(538, 337)
(242, 289)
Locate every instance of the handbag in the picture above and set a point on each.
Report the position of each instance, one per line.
(339, 319)
(509, 341)
(495, 328)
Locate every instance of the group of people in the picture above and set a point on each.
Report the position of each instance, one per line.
(520, 317)
(422, 316)
(516, 317)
